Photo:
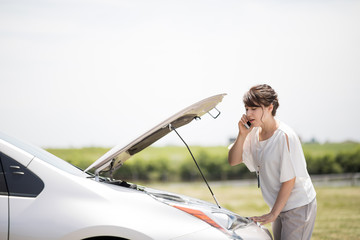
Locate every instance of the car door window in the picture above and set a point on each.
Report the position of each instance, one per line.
(19, 180)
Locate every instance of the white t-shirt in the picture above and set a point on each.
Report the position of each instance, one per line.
(275, 164)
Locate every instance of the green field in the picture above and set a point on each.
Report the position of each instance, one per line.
(85, 156)
(174, 163)
(316, 149)
(338, 215)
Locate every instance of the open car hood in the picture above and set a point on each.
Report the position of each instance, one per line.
(115, 157)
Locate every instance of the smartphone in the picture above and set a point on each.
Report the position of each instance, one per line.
(247, 124)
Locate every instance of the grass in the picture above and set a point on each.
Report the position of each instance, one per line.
(338, 214)
(316, 149)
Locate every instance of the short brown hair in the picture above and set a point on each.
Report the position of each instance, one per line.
(261, 94)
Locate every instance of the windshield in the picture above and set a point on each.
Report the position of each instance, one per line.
(43, 155)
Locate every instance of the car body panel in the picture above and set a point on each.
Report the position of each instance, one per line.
(253, 232)
(4, 209)
(21, 156)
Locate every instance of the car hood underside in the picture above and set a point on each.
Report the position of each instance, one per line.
(116, 157)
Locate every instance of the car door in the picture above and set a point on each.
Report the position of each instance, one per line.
(4, 205)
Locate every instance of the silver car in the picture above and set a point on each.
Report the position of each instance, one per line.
(43, 197)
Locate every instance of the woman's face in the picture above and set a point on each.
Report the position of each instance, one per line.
(258, 115)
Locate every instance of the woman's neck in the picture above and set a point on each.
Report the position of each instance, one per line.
(268, 128)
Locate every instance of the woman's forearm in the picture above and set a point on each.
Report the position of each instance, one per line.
(283, 196)
(236, 151)
(280, 203)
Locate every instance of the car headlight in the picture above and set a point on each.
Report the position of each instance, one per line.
(231, 224)
(219, 219)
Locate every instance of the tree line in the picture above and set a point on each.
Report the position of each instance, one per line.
(216, 168)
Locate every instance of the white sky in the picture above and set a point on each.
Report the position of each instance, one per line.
(101, 72)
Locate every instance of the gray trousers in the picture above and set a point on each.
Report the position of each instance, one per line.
(295, 224)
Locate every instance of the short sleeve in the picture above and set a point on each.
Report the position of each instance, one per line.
(287, 170)
(297, 156)
(247, 156)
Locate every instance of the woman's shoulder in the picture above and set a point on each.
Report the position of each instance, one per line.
(286, 130)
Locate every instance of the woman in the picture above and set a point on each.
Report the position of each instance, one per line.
(272, 150)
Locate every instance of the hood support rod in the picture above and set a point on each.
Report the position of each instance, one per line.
(197, 165)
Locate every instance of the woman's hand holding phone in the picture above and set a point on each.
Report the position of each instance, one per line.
(244, 125)
(247, 124)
